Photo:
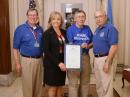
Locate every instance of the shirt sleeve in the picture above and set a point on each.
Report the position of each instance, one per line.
(69, 35)
(113, 36)
(90, 35)
(17, 38)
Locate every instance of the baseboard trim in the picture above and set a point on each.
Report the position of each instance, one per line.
(7, 79)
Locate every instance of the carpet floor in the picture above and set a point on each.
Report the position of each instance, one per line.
(92, 91)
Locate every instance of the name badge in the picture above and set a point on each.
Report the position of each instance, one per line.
(36, 44)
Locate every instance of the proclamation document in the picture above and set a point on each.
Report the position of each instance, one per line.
(72, 56)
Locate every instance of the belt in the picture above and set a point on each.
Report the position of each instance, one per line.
(84, 53)
(101, 55)
(36, 57)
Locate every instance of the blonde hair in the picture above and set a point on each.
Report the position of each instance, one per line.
(53, 14)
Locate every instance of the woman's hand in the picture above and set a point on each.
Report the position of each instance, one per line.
(62, 67)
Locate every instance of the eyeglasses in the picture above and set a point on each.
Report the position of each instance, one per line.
(32, 15)
(100, 16)
(80, 17)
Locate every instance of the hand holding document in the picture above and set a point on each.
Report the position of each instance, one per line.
(72, 56)
(84, 45)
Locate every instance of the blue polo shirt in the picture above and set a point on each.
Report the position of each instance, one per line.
(103, 38)
(24, 40)
(78, 36)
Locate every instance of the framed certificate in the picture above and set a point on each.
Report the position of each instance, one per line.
(72, 56)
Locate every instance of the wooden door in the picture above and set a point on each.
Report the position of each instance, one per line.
(5, 53)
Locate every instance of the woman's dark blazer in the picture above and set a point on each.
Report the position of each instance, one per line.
(53, 76)
(51, 47)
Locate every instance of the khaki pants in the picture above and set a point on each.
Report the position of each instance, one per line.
(104, 81)
(31, 76)
(79, 80)
(114, 66)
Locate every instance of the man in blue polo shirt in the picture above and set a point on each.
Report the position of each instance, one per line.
(80, 34)
(27, 42)
(105, 44)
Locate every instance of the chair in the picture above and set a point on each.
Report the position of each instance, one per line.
(126, 76)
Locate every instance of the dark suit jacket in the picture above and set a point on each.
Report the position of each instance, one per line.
(51, 48)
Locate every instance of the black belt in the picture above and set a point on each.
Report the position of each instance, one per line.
(101, 55)
(84, 53)
(36, 57)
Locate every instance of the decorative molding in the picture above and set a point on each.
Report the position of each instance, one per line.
(7, 80)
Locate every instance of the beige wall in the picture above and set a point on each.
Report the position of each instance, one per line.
(119, 21)
(17, 9)
(121, 14)
(127, 35)
(51, 5)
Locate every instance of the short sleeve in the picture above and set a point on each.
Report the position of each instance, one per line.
(113, 36)
(70, 35)
(17, 38)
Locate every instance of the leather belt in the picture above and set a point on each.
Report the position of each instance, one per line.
(36, 57)
(101, 55)
(84, 53)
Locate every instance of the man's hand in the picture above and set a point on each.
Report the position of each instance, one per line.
(17, 61)
(84, 45)
(18, 68)
(106, 67)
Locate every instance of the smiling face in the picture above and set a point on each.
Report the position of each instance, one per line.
(100, 17)
(79, 18)
(32, 17)
(55, 20)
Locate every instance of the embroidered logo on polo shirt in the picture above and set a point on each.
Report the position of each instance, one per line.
(102, 34)
(40, 33)
(27, 35)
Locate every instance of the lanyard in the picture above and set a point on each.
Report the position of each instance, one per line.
(35, 34)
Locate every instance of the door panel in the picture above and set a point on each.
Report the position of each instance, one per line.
(5, 54)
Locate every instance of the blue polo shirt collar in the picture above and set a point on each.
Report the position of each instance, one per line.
(26, 23)
(100, 28)
(105, 25)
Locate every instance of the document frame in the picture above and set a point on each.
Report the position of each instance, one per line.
(72, 56)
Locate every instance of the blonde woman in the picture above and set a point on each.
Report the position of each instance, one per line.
(54, 39)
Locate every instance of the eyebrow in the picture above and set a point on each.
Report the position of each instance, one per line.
(99, 15)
